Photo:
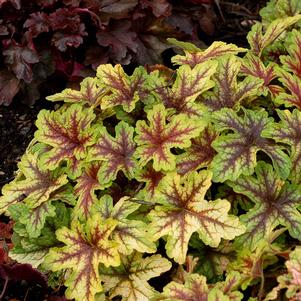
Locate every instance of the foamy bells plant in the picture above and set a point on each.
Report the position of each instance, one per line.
(189, 176)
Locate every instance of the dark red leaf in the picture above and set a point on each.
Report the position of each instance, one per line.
(159, 7)
(37, 23)
(23, 272)
(15, 3)
(20, 59)
(9, 87)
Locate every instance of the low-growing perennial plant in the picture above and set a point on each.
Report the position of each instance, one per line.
(189, 176)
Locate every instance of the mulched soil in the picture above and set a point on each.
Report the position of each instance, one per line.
(17, 122)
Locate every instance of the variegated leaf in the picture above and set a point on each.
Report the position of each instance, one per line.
(124, 89)
(228, 93)
(194, 55)
(199, 154)
(91, 93)
(132, 234)
(129, 280)
(183, 211)
(33, 187)
(288, 131)
(236, 150)
(116, 152)
(86, 247)
(188, 85)
(276, 203)
(156, 140)
(68, 134)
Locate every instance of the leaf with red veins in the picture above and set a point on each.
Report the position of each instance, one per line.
(116, 152)
(293, 84)
(85, 248)
(156, 139)
(253, 65)
(34, 186)
(188, 85)
(276, 203)
(124, 89)
(91, 93)
(194, 55)
(151, 177)
(132, 234)
(69, 133)
(259, 40)
(130, 279)
(240, 140)
(199, 154)
(288, 131)
(85, 188)
(228, 92)
(292, 62)
(183, 211)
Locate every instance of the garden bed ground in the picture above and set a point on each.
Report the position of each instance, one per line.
(17, 121)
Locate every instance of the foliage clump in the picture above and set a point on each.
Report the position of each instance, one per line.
(188, 176)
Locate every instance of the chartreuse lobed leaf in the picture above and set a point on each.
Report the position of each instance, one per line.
(259, 40)
(68, 134)
(253, 65)
(86, 246)
(124, 90)
(188, 85)
(91, 93)
(34, 185)
(132, 234)
(85, 188)
(293, 84)
(156, 138)
(228, 92)
(194, 55)
(199, 154)
(288, 131)
(276, 203)
(292, 62)
(183, 211)
(129, 280)
(117, 153)
(236, 150)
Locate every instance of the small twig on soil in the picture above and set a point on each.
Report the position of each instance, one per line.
(4, 288)
(236, 6)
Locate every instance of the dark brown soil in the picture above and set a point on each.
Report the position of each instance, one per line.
(17, 122)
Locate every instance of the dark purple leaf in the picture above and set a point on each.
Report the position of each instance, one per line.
(9, 87)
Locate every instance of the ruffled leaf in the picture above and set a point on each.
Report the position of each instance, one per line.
(184, 210)
(258, 41)
(276, 203)
(124, 89)
(34, 185)
(86, 247)
(288, 131)
(293, 84)
(132, 234)
(85, 188)
(292, 62)
(252, 65)
(156, 140)
(199, 154)
(90, 93)
(236, 152)
(188, 85)
(116, 152)
(194, 55)
(129, 280)
(228, 93)
(68, 133)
